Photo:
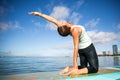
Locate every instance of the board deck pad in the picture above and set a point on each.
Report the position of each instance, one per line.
(103, 74)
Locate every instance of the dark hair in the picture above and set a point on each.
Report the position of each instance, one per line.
(64, 31)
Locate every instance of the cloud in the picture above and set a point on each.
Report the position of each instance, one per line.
(14, 25)
(63, 13)
(75, 17)
(38, 24)
(79, 3)
(118, 26)
(39, 10)
(59, 13)
(103, 37)
(5, 26)
(98, 38)
(93, 22)
(68, 45)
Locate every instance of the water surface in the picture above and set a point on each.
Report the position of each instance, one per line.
(20, 65)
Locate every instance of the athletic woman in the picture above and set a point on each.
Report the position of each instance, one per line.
(82, 46)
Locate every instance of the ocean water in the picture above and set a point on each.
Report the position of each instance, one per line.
(22, 65)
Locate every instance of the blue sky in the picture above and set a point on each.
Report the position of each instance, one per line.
(22, 34)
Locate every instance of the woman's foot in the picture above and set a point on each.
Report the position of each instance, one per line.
(73, 71)
(62, 72)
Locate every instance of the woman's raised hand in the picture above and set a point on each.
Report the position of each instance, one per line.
(34, 13)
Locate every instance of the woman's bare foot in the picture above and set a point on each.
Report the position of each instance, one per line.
(77, 71)
(64, 70)
(73, 71)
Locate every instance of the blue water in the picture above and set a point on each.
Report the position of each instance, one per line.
(21, 65)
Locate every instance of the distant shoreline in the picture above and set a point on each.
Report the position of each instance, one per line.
(110, 55)
(100, 55)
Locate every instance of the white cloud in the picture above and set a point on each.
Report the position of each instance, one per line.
(103, 37)
(62, 13)
(93, 22)
(38, 24)
(118, 26)
(39, 10)
(68, 45)
(79, 3)
(59, 13)
(51, 26)
(5, 26)
(75, 17)
(65, 48)
(98, 37)
(14, 24)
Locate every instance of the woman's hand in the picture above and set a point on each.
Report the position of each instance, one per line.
(35, 13)
(75, 66)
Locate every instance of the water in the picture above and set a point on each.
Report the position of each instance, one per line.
(21, 65)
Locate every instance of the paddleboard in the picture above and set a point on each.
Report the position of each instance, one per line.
(103, 74)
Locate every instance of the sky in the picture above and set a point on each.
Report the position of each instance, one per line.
(22, 34)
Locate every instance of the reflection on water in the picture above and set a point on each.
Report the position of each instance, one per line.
(109, 61)
(116, 61)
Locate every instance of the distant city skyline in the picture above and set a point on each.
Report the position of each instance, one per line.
(114, 50)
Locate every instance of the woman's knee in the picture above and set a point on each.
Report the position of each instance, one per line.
(92, 69)
(95, 70)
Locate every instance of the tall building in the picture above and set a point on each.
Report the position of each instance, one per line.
(115, 49)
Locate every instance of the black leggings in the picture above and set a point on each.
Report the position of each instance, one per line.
(89, 55)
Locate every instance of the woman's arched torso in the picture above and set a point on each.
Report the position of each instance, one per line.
(84, 39)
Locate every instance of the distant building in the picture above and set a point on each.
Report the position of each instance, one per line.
(108, 52)
(104, 53)
(115, 49)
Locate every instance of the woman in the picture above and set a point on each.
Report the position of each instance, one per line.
(82, 45)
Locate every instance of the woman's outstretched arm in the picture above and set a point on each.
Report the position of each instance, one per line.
(49, 18)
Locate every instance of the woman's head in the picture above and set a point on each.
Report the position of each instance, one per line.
(64, 30)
